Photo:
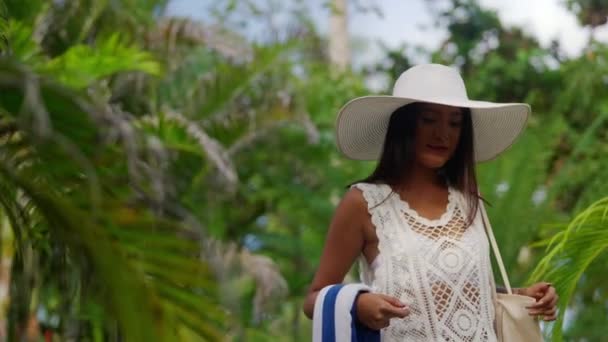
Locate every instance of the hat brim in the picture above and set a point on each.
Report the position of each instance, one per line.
(362, 123)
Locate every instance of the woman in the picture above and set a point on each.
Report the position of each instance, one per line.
(415, 221)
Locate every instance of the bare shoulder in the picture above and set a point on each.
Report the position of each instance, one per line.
(355, 196)
(352, 215)
(353, 203)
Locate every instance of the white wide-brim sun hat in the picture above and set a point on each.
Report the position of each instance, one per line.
(362, 123)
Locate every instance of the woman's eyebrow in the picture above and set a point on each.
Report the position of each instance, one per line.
(429, 110)
(455, 113)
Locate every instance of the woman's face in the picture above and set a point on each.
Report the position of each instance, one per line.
(438, 130)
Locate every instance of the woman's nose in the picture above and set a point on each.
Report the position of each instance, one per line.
(441, 131)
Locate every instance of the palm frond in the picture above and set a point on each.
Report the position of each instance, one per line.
(170, 33)
(81, 64)
(19, 42)
(124, 240)
(179, 133)
(209, 89)
(570, 253)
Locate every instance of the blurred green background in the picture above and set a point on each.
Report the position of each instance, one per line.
(167, 178)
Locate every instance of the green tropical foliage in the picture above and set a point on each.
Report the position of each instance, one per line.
(572, 251)
(65, 199)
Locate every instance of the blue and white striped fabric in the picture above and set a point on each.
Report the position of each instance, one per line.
(335, 316)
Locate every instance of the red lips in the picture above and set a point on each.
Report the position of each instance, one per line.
(438, 148)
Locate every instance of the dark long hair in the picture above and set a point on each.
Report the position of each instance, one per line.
(398, 154)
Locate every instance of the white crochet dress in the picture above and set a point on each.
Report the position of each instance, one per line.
(440, 268)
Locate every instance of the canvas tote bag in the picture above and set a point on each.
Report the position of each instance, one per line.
(513, 323)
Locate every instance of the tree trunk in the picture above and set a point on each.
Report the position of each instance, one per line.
(339, 47)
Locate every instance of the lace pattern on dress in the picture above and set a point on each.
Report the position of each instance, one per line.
(375, 196)
(440, 268)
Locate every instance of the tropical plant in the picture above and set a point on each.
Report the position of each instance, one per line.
(89, 199)
(64, 160)
(579, 247)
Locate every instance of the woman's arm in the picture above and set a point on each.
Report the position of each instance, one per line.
(344, 242)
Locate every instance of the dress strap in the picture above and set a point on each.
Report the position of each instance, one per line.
(374, 194)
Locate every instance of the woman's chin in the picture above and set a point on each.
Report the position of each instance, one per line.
(433, 162)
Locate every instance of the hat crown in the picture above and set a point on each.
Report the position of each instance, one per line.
(430, 81)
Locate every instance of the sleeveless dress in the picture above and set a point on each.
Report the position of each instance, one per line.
(439, 268)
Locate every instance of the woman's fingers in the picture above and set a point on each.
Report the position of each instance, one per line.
(376, 310)
(551, 317)
(380, 322)
(537, 290)
(394, 307)
(546, 304)
(393, 301)
(393, 311)
(545, 312)
(553, 302)
(547, 299)
(550, 312)
(383, 320)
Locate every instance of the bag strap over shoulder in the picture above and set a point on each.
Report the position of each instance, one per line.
(490, 234)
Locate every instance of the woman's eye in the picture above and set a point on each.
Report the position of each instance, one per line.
(456, 123)
(428, 120)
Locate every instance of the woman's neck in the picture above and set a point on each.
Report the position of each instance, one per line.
(421, 178)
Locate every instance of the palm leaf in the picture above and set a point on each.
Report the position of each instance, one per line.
(80, 65)
(185, 136)
(571, 252)
(116, 239)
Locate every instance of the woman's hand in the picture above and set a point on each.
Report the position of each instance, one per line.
(375, 310)
(546, 300)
